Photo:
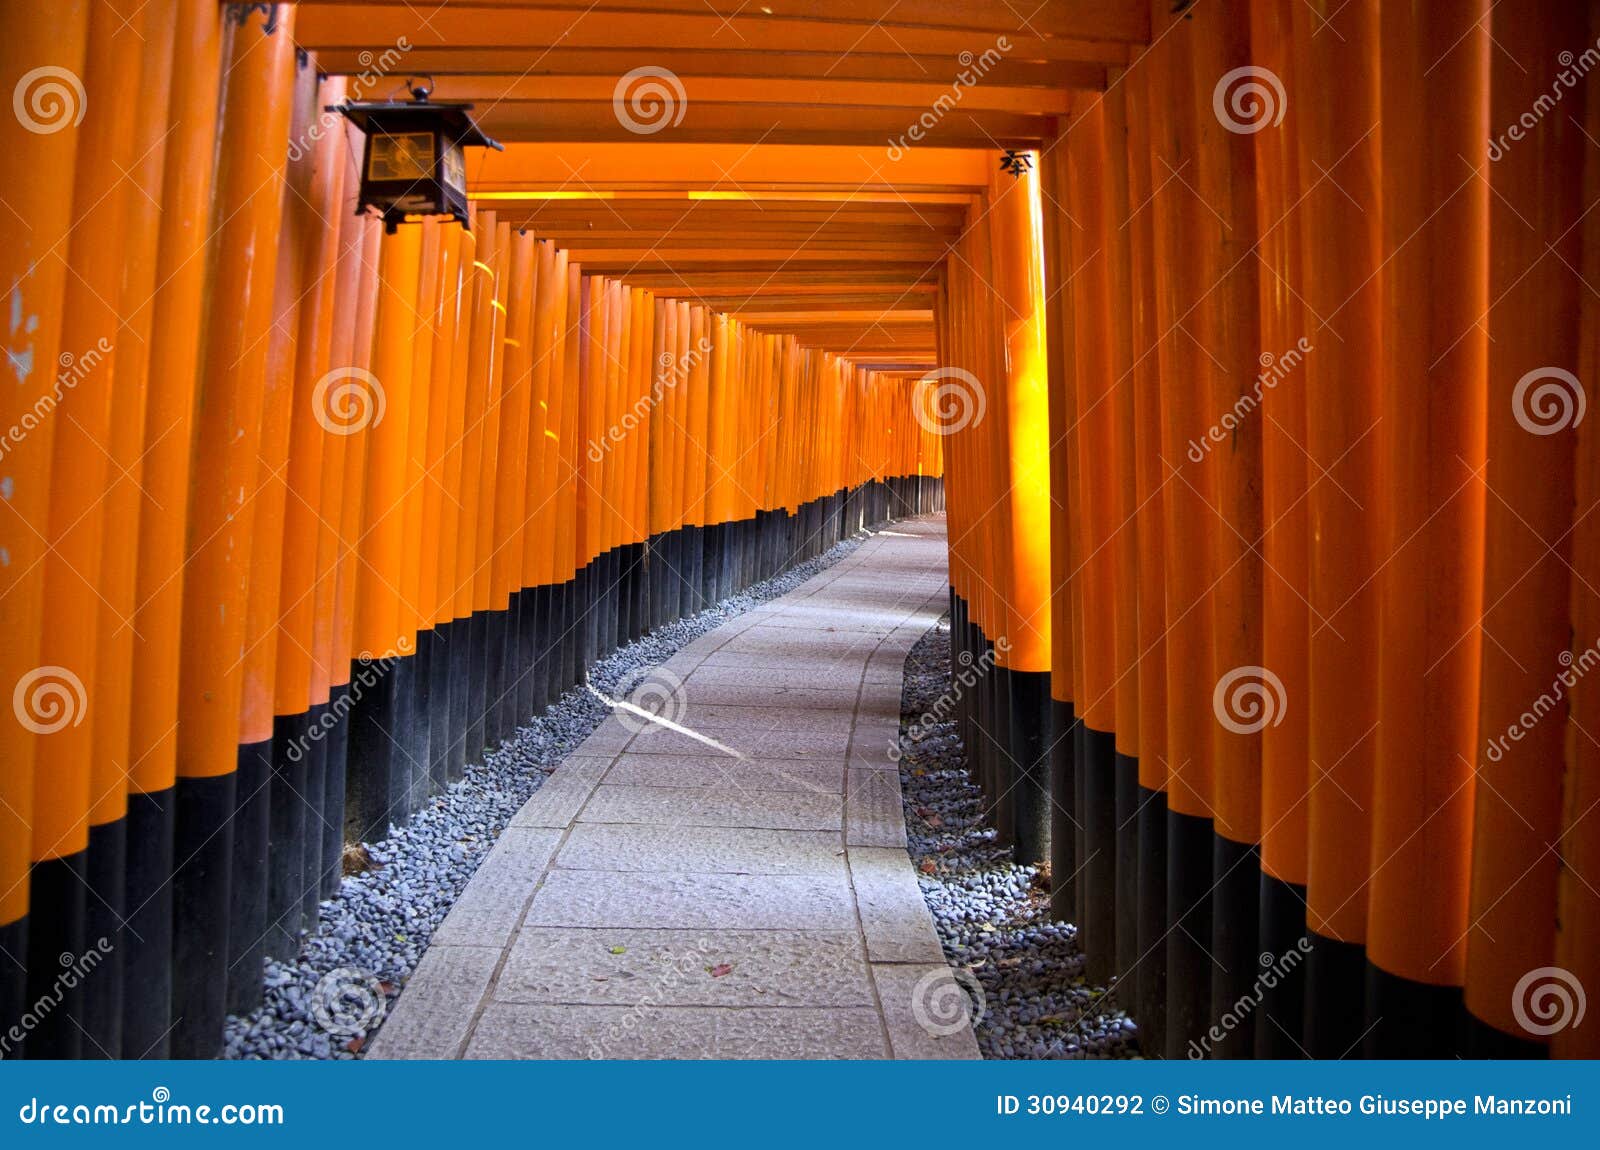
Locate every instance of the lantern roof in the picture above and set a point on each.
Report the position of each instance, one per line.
(448, 116)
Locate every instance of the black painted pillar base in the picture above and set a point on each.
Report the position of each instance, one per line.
(1188, 932)
(1151, 973)
(247, 908)
(529, 602)
(1235, 943)
(291, 743)
(1097, 929)
(314, 802)
(333, 790)
(441, 711)
(419, 725)
(476, 731)
(1126, 768)
(202, 870)
(545, 650)
(1030, 752)
(1336, 993)
(460, 689)
(106, 906)
(497, 660)
(1063, 812)
(13, 988)
(1485, 1041)
(58, 929)
(1407, 1019)
(147, 937)
(405, 767)
(372, 716)
(1280, 1015)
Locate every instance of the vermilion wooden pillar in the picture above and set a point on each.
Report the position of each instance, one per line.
(34, 238)
(1339, 149)
(246, 219)
(72, 788)
(1287, 333)
(1533, 319)
(1435, 291)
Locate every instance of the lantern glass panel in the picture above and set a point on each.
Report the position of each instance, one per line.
(455, 167)
(402, 156)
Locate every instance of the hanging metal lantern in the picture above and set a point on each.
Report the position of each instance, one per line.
(414, 164)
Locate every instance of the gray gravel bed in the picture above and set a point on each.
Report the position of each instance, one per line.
(990, 913)
(371, 936)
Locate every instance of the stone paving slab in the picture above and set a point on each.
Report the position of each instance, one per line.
(433, 1018)
(695, 901)
(713, 770)
(738, 694)
(687, 968)
(720, 717)
(558, 802)
(727, 804)
(768, 650)
(894, 918)
(702, 850)
(926, 1011)
(739, 891)
(489, 910)
(874, 816)
(757, 744)
(833, 678)
(509, 1030)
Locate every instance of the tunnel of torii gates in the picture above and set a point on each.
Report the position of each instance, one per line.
(1253, 398)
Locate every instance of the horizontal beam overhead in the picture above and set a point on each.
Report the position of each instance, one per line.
(1124, 20)
(949, 175)
(323, 26)
(600, 121)
(781, 181)
(382, 69)
(493, 91)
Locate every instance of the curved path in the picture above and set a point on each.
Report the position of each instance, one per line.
(732, 883)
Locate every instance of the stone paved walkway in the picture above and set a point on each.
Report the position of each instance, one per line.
(729, 879)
